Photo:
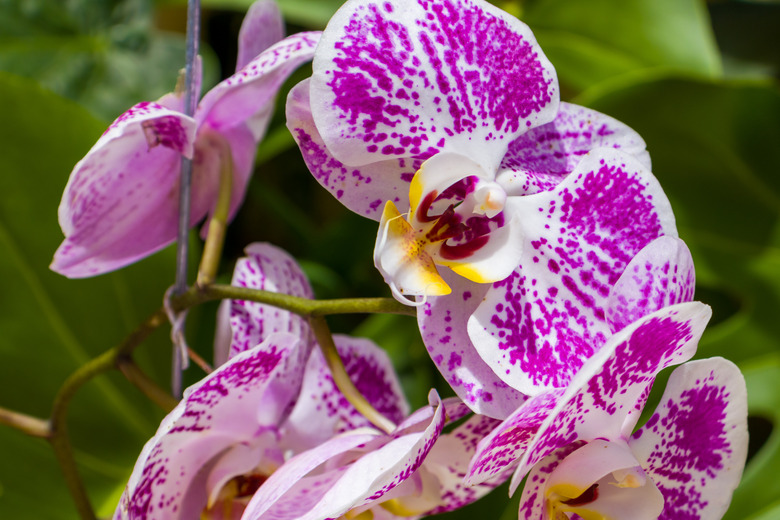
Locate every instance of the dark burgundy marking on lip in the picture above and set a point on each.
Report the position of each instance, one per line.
(461, 251)
(587, 496)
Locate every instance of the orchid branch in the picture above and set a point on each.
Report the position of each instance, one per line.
(341, 377)
(28, 424)
(150, 389)
(212, 250)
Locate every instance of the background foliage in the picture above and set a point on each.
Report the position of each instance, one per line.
(697, 80)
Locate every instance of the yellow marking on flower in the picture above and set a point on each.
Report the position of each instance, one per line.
(363, 515)
(397, 508)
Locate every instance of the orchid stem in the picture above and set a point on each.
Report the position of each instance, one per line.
(212, 251)
(144, 383)
(185, 184)
(28, 424)
(341, 377)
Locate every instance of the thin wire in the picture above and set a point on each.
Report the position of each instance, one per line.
(193, 30)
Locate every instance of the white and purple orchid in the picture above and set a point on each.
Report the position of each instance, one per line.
(121, 201)
(579, 443)
(272, 398)
(410, 472)
(523, 212)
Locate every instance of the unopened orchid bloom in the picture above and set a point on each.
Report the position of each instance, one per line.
(580, 453)
(368, 474)
(121, 201)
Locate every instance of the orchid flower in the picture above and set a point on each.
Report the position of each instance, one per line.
(120, 203)
(413, 471)
(237, 426)
(450, 110)
(577, 447)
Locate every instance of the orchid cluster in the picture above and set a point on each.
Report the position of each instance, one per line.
(537, 248)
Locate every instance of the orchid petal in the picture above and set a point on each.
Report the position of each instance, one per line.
(541, 158)
(507, 443)
(449, 459)
(284, 480)
(695, 444)
(246, 97)
(268, 268)
(661, 274)
(405, 266)
(119, 203)
(363, 190)
(620, 489)
(605, 398)
(533, 502)
(213, 415)
(378, 470)
(610, 390)
(423, 77)
(443, 328)
(536, 328)
(263, 26)
(322, 403)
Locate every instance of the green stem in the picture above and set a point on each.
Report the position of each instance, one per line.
(28, 424)
(212, 250)
(144, 383)
(341, 378)
(306, 307)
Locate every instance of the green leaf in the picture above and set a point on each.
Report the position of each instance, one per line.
(758, 496)
(52, 325)
(594, 41)
(104, 54)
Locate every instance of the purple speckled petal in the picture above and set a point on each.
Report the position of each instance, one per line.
(214, 414)
(120, 202)
(449, 461)
(541, 158)
(500, 449)
(604, 399)
(377, 470)
(661, 274)
(322, 403)
(401, 79)
(268, 268)
(363, 189)
(694, 446)
(607, 396)
(443, 328)
(537, 327)
(246, 96)
(263, 26)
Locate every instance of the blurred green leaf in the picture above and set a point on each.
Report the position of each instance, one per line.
(104, 54)
(313, 14)
(759, 493)
(51, 325)
(594, 41)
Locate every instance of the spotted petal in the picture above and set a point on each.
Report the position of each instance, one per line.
(661, 274)
(363, 189)
(443, 328)
(268, 268)
(120, 202)
(215, 414)
(694, 445)
(537, 327)
(405, 78)
(322, 403)
(351, 482)
(263, 26)
(541, 158)
(603, 400)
